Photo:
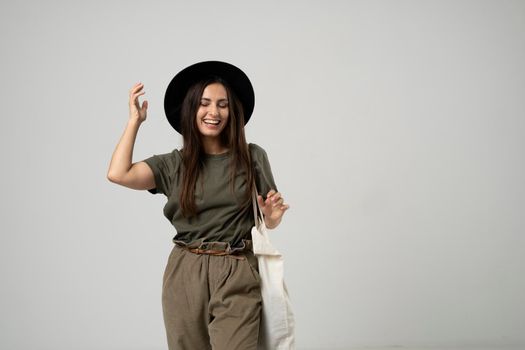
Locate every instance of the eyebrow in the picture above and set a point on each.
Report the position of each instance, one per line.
(207, 99)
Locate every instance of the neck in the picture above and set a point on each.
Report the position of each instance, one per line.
(213, 146)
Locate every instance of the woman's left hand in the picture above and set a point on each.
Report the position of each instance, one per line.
(273, 208)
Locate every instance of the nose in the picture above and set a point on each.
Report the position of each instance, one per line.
(212, 110)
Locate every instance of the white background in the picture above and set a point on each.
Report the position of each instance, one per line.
(395, 131)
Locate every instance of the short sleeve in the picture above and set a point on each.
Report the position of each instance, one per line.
(263, 171)
(164, 167)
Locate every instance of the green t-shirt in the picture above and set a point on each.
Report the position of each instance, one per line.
(219, 218)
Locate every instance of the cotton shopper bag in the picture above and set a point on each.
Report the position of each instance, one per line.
(277, 327)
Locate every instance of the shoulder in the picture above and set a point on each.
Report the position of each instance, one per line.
(176, 158)
(259, 156)
(256, 151)
(177, 153)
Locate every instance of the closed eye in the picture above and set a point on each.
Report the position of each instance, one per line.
(222, 103)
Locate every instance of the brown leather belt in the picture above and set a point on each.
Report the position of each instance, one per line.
(214, 252)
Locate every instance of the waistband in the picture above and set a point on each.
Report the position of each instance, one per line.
(216, 248)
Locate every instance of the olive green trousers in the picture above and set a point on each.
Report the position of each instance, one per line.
(211, 301)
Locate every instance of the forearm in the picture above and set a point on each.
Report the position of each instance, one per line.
(122, 155)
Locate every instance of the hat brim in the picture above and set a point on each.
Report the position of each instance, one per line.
(179, 85)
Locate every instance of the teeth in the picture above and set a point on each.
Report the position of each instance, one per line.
(210, 121)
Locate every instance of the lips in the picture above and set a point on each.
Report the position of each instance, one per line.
(209, 121)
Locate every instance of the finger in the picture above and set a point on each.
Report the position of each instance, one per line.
(270, 200)
(276, 196)
(136, 87)
(278, 202)
(260, 201)
(271, 193)
(135, 96)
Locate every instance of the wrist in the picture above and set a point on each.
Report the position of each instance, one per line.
(271, 224)
(134, 122)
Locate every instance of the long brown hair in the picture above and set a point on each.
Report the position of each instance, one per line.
(193, 153)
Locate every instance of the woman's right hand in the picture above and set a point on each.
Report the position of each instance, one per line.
(135, 111)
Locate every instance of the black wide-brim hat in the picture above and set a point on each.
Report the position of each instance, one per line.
(179, 85)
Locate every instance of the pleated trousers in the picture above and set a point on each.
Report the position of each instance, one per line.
(211, 301)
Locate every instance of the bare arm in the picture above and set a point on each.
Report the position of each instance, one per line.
(121, 169)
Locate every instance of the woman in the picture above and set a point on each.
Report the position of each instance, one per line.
(211, 295)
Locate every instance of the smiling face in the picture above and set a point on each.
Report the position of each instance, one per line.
(213, 112)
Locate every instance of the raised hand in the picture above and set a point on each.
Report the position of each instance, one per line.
(273, 208)
(135, 111)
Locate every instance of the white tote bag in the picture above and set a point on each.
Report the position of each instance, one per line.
(277, 329)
